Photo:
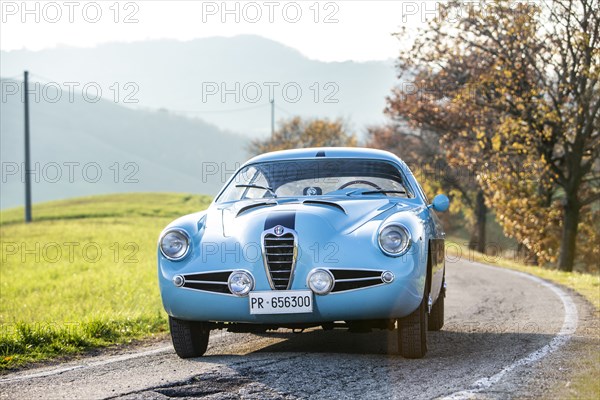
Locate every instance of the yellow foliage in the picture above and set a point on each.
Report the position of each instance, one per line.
(297, 133)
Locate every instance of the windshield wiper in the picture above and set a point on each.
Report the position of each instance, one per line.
(384, 192)
(270, 190)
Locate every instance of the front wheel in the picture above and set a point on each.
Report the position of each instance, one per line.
(436, 316)
(412, 333)
(190, 338)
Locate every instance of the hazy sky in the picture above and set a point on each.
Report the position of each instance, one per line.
(324, 30)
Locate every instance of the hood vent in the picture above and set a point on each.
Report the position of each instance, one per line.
(324, 203)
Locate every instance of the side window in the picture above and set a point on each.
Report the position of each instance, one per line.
(258, 179)
(247, 176)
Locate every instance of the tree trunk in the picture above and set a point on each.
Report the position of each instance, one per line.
(568, 243)
(525, 256)
(477, 241)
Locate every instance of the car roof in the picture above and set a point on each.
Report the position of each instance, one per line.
(327, 152)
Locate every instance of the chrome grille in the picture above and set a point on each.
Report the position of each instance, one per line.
(279, 252)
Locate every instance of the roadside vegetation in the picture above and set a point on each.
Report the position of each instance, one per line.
(83, 274)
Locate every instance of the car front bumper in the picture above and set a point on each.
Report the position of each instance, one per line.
(382, 301)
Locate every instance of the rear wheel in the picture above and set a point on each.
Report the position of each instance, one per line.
(436, 316)
(190, 338)
(412, 333)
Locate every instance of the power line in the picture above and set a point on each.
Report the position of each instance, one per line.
(218, 111)
(44, 78)
(284, 110)
(13, 78)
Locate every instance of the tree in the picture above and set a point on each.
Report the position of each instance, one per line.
(526, 79)
(298, 133)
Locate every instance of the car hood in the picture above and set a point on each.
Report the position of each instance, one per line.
(341, 216)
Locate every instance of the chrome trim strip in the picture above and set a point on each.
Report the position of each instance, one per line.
(206, 282)
(359, 279)
(356, 269)
(208, 291)
(208, 272)
(352, 290)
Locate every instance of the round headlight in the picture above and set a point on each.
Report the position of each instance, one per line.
(240, 283)
(320, 281)
(175, 244)
(394, 240)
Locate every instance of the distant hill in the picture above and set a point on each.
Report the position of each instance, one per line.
(174, 75)
(81, 148)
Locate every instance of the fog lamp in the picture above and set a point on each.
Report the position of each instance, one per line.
(240, 283)
(320, 281)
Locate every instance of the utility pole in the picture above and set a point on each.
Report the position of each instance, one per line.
(27, 160)
(273, 117)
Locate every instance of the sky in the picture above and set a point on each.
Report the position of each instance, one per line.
(323, 30)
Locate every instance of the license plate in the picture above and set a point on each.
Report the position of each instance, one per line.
(281, 302)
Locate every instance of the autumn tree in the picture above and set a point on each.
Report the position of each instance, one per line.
(525, 79)
(420, 148)
(421, 102)
(296, 133)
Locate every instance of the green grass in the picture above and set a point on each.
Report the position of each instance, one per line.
(83, 274)
(584, 383)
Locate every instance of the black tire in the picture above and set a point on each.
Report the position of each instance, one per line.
(436, 316)
(412, 333)
(190, 339)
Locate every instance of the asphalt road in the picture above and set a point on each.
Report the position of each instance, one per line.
(499, 326)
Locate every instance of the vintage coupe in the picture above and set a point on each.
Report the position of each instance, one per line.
(331, 237)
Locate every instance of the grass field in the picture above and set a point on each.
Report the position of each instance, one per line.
(83, 274)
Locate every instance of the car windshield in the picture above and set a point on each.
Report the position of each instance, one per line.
(308, 178)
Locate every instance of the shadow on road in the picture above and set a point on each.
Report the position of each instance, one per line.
(319, 363)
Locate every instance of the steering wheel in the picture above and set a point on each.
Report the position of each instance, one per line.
(357, 182)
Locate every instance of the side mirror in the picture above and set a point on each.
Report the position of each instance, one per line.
(440, 203)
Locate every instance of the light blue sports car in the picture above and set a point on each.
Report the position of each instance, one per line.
(330, 237)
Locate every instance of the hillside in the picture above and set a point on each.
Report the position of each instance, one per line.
(83, 148)
(173, 75)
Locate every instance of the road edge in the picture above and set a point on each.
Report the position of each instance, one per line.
(568, 329)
